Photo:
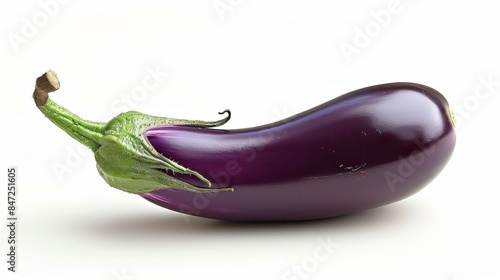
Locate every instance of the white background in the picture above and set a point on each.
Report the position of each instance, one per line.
(264, 60)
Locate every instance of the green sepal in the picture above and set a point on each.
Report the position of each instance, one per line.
(127, 161)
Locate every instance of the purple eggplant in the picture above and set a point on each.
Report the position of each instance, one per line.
(364, 149)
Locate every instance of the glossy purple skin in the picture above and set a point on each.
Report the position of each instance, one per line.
(364, 149)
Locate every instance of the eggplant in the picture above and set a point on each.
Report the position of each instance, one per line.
(364, 149)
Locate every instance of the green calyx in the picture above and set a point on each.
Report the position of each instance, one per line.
(125, 158)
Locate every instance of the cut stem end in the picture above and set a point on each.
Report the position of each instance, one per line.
(46, 83)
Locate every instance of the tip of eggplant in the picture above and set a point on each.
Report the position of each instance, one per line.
(452, 117)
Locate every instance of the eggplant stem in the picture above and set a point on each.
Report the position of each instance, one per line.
(125, 158)
(86, 132)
